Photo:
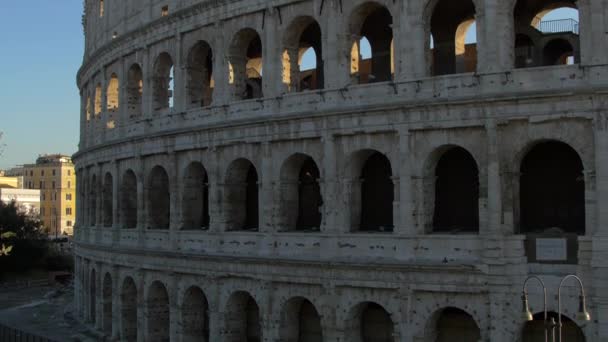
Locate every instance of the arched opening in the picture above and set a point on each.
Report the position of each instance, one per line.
(242, 203)
(112, 95)
(159, 199)
(552, 190)
(245, 58)
(456, 192)
(195, 201)
(535, 330)
(242, 319)
(552, 28)
(370, 322)
(301, 322)
(371, 52)
(108, 197)
(162, 83)
(301, 198)
(128, 311)
(93, 297)
(97, 108)
(128, 200)
(452, 324)
(303, 56)
(135, 90)
(157, 305)
(195, 316)
(377, 194)
(453, 29)
(87, 109)
(200, 75)
(107, 305)
(93, 201)
(558, 52)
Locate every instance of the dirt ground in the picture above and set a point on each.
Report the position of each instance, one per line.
(44, 311)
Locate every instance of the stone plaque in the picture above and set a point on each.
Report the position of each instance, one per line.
(551, 249)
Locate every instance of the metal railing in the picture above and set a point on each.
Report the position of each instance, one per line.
(559, 26)
(8, 334)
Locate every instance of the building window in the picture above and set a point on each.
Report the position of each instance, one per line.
(53, 185)
(68, 211)
(68, 223)
(42, 173)
(53, 172)
(69, 184)
(101, 8)
(32, 173)
(41, 185)
(69, 172)
(164, 11)
(42, 211)
(43, 196)
(68, 197)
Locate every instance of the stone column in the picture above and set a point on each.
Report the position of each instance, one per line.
(179, 75)
(174, 308)
(494, 209)
(406, 215)
(216, 189)
(141, 306)
(330, 185)
(267, 220)
(484, 62)
(271, 55)
(148, 87)
(115, 202)
(98, 296)
(336, 47)
(175, 199)
(499, 26)
(142, 214)
(116, 304)
(220, 67)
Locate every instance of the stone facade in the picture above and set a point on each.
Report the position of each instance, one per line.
(226, 196)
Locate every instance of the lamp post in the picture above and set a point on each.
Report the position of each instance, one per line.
(582, 314)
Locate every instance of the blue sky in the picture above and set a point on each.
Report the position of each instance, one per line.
(42, 48)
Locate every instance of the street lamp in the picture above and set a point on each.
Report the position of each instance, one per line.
(582, 315)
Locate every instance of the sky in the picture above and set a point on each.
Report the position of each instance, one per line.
(42, 49)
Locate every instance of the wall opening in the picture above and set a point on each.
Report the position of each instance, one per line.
(303, 56)
(93, 201)
(242, 319)
(97, 108)
(200, 75)
(128, 311)
(107, 305)
(455, 324)
(108, 197)
(112, 94)
(456, 192)
(301, 199)
(301, 321)
(552, 31)
(245, 58)
(128, 200)
(372, 323)
(241, 196)
(195, 202)
(377, 194)
(159, 199)
(135, 90)
(162, 85)
(552, 190)
(195, 316)
(157, 305)
(454, 46)
(372, 57)
(535, 330)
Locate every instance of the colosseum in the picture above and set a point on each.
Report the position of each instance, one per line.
(342, 170)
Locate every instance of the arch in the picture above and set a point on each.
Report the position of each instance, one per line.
(113, 93)
(373, 192)
(242, 318)
(199, 69)
(108, 198)
(300, 321)
(159, 199)
(373, 22)
(449, 324)
(93, 297)
(107, 304)
(158, 313)
(456, 192)
(246, 60)
(128, 200)
(195, 201)
(93, 201)
(301, 198)
(241, 196)
(303, 35)
(87, 108)
(554, 41)
(162, 80)
(97, 108)
(135, 90)
(448, 22)
(370, 322)
(128, 310)
(195, 316)
(552, 189)
(535, 330)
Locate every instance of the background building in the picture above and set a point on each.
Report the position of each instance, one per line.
(27, 199)
(54, 176)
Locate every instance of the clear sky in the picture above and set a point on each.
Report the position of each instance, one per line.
(42, 48)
